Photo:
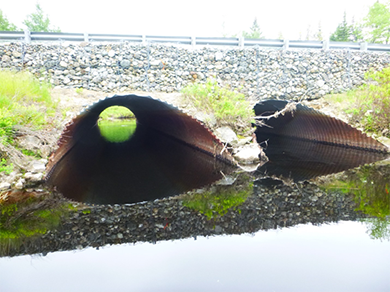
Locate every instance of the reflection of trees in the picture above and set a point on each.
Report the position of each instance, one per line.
(370, 186)
(378, 228)
(216, 200)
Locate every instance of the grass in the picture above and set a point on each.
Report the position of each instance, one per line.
(117, 124)
(5, 166)
(229, 107)
(369, 105)
(23, 101)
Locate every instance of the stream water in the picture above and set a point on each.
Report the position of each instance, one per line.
(249, 236)
(331, 257)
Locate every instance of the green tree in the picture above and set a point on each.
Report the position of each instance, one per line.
(377, 22)
(39, 22)
(343, 31)
(5, 25)
(254, 33)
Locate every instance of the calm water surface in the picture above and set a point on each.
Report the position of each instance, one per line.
(330, 257)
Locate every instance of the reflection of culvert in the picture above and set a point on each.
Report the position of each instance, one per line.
(117, 124)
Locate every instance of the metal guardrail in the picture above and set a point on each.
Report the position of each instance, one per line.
(28, 37)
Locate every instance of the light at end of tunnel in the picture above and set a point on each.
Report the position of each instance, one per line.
(117, 124)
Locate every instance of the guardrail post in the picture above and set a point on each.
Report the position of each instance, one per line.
(363, 46)
(286, 44)
(193, 42)
(143, 39)
(27, 36)
(86, 39)
(325, 45)
(241, 43)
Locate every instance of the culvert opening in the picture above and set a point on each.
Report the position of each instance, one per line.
(117, 124)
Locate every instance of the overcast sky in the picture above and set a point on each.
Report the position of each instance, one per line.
(289, 18)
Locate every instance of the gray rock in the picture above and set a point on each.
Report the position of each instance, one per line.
(19, 184)
(226, 135)
(33, 177)
(111, 53)
(4, 186)
(66, 80)
(125, 64)
(37, 166)
(16, 54)
(255, 72)
(208, 119)
(5, 58)
(248, 154)
(63, 64)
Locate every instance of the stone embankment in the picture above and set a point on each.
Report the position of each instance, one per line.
(168, 219)
(259, 73)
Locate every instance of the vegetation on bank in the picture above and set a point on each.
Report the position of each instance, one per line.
(24, 102)
(368, 106)
(228, 107)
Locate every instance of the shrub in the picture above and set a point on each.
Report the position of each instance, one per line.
(229, 107)
(23, 101)
(372, 103)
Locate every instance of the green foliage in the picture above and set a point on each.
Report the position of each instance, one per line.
(345, 32)
(254, 31)
(373, 102)
(378, 228)
(342, 32)
(229, 107)
(23, 101)
(117, 124)
(369, 106)
(30, 153)
(377, 22)
(217, 200)
(39, 22)
(5, 166)
(5, 25)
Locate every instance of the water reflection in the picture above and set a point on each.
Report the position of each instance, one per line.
(265, 208)
(331, 257)
(369, 185)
